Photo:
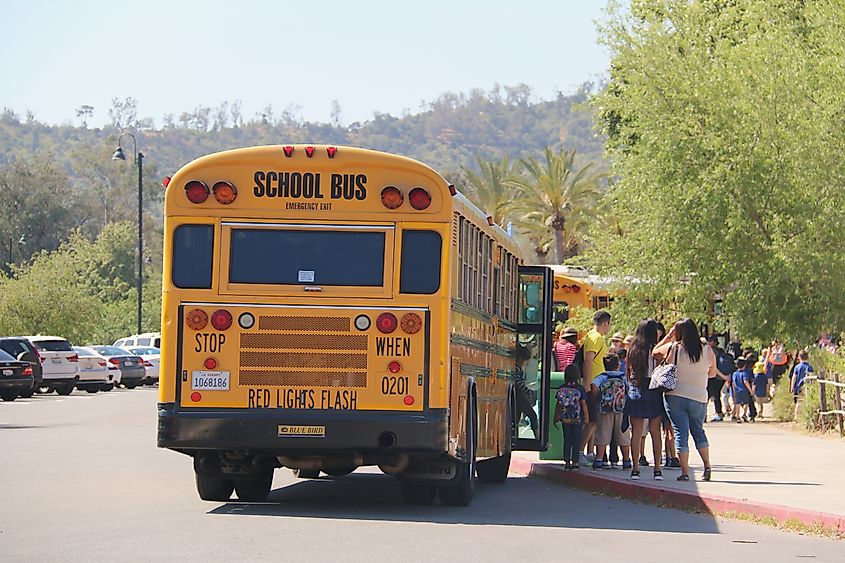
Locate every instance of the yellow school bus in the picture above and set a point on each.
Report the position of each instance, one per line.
(326, 308)
(576, 287)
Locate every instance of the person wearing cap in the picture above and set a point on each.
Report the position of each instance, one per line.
(616, 342)
(628, 341)
(565, 348)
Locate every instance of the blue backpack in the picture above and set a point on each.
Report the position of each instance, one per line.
(569, 404)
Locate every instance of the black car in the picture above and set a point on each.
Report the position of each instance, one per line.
(22, 349)
(15, 377)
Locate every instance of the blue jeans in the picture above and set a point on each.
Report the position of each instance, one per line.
(687, 418)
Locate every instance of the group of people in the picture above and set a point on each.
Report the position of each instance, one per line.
(608, 400)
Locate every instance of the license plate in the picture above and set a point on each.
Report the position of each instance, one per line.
(8, 372)
(56, 360)
(210, 380)
(127, 364)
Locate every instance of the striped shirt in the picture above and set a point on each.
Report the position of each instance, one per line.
(565, 353)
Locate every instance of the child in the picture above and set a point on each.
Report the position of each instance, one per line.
(761, 386)
(571, 410)
(750, 360)
(741, 391)
(796, 382)
(611, 386)
(622, 354)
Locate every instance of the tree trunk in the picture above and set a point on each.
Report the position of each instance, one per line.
(560, 248)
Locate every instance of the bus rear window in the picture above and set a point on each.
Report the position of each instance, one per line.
(307, 257)
(420, 262)
(192, 256)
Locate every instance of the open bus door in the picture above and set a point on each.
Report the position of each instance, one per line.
(533, 359)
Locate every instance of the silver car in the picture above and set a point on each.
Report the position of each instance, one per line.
(132, 371)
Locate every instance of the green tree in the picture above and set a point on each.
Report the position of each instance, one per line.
(490, 188)
(724, 121)
(557, 193)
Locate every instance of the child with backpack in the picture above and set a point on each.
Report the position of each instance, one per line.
(761, 386)
(571, 410)
(741, 391)
(611, 387)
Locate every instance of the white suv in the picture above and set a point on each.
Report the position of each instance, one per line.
(59, 362)
(152, 339)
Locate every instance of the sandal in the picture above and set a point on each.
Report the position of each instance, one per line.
(683, 477)
(707, 473)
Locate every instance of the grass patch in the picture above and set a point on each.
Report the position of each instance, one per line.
(790, 525)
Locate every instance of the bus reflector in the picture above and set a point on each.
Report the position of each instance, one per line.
(288, 151)
(196, 191)
(394, 367)
(409, 400)
(386, 323)
(210, 363)
(309, 151)
(419, 198)
(196, 396)
(224, 192)
(196, 319)
(391, 197)
(221, 319)
(246, 320)
(331, 151)
(362, 322)
(411, 323)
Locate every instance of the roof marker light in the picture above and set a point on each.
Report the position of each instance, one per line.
(309, 151)
(288, 151)
(452, 189)
(331, 151)
(165, 182)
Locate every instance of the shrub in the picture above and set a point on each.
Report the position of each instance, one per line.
(782, 403)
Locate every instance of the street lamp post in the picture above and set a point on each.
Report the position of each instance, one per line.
(139, 159)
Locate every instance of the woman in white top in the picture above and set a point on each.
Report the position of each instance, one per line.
(686, 405)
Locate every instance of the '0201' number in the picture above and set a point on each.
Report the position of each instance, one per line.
(391, 385)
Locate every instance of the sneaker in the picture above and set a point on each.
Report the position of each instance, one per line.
(591, 458)
(674, 463)
(582, 459)
(738, 420)
(717, 418)
(635, 475)
(658, 475)
(643, 461)
(626, 464)
(598, 464)
(613, 465)
(567, 466)
(575, 467)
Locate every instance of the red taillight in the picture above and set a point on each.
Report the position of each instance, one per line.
(391, 197)
(196, 191)
(411, 323)
(102, 363)
(409, 400)
(27, 370)
(73, 358)
(195, 397)
(224, 192)
(419, 198)
(210, 363)
(114, 361)
(221, 319)
(147, 364)
(331, 151)
(196, 319)
(386, 323)
(394, 367)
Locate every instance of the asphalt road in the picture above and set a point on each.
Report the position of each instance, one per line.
(82, 480)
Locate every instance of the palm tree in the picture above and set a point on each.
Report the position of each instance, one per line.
(491, 188)
(564, 199)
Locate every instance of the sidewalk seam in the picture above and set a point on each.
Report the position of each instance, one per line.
(685, 500)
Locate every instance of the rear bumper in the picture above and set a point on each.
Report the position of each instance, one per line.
(258, 430)
(59, 380)
(16, 383)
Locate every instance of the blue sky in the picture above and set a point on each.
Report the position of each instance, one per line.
(368, 55)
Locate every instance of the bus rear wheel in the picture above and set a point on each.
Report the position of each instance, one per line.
(214, 488)
(255, 487)
(418, 493)
(461, 492)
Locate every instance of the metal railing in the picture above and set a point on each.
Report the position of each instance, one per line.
(835, 387)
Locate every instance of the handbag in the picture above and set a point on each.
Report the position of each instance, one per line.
(665, 376)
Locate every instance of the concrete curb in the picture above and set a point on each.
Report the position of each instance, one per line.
(686, 500)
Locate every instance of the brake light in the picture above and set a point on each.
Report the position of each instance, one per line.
(210, 363)
(391, 197)
(221, 319)
(411, 323)
(224, 192)
(73, 358)
(394, 367)
(102, 363)
(114, 361)
(196, 319)
(386, 323)
(27, 370)
(196, 191)
(147, 364)
(419, 198)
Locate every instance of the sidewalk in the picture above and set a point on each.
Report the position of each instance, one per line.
(759, 469)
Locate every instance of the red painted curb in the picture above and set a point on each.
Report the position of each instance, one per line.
(686, 500)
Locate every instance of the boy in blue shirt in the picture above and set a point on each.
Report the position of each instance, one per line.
(796, 382)
(741, 391)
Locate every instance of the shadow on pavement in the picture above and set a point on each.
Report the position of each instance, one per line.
(519, 502)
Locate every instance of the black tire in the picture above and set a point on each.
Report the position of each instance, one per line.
(9, 395)
(255, 487)
(92, 389)
(460, 493)
(65, 390)
(131, 385)
(214, 488)
(418, 493)
(340, 471)
(306, 473)
(28, 394)
(107, 387)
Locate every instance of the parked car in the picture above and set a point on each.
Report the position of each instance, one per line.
(94, 372)
(147, 339)
(15, 377)
(22, 349)
(132, 370)
(59, 362)
(152, 358)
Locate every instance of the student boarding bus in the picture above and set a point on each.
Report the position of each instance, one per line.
(326, 308)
